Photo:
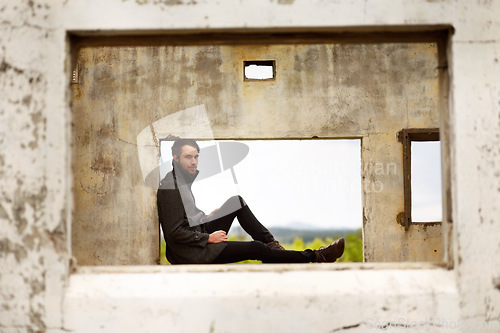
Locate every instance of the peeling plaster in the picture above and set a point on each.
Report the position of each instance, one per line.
(25, 196)
(18, 250)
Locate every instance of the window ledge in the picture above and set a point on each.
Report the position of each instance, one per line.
(255, 297)
(257, 268)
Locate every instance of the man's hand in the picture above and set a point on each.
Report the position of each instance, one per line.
(218, 236)
(212, 213)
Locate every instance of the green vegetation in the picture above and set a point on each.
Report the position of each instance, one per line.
(353, 246)
(163, 258)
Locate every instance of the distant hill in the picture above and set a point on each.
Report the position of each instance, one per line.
(300, 226)
(288, 235)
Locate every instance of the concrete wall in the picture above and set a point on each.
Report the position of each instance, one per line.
(115, 217)
(368, 91)
(39, 292)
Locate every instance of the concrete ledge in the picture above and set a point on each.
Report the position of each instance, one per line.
(256, 267)
(316, 298)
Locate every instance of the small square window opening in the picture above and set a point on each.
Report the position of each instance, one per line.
(259, 69)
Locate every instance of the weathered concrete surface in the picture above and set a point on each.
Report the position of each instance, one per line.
(265, 300)
(320, 90)
(476, 176)
(35, 223)
(34, 169)
(115, 220)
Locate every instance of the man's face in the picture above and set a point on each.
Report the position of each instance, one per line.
(188, 159)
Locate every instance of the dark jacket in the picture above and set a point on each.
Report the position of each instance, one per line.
(187, 243)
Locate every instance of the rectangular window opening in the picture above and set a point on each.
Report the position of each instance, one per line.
(111, 186)
(426, 201)
(259, 69)
(306, 202)
(422, 176)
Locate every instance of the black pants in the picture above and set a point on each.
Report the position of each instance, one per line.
(254, 250)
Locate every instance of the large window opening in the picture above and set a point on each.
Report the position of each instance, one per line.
(307, 192)
(132, 92)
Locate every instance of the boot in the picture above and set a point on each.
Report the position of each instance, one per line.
(330, 253)
(275, 245)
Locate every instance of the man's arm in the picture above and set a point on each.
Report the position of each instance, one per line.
(172, 218)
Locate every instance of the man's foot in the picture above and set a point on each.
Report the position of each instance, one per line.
(330, 253)
(275, 245)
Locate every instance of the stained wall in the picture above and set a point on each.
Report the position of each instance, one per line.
(338, 90)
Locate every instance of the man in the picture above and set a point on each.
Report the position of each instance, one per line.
(192, 237)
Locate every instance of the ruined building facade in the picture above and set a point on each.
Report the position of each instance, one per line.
(81, 79)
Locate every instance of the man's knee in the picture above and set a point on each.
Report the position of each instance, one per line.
(238, 200)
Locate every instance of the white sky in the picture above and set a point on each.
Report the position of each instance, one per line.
(303, 182)
(426, 181)
(259, 72)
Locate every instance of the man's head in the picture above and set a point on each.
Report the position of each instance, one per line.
(186, 152)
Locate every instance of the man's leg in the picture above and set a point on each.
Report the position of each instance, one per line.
(255, 250)
(236, 207)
